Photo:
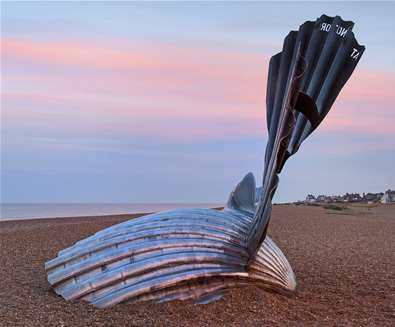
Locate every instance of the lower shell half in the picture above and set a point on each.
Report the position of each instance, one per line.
(185, 254)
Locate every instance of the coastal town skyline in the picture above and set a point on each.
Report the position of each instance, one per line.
(368, 197)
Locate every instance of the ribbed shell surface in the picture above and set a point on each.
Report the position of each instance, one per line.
(180, 254)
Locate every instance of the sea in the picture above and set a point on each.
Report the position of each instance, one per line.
(18, 211)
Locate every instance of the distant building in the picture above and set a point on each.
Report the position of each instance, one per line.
(336, 198)
(373, 197)
(388, 197)
(351, 197)
(310, 198)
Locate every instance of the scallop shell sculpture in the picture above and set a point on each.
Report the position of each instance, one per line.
(197, 254)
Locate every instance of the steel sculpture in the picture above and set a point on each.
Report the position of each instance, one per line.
(199, 253)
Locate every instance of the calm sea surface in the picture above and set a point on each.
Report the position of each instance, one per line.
(14, 211)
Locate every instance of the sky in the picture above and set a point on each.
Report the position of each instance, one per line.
(165, 102)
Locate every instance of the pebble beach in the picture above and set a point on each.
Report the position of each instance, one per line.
(343, 261)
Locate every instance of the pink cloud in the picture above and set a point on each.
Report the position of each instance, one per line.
(136, 57)
(159, 90)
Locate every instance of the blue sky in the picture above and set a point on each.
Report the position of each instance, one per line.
(164, 102)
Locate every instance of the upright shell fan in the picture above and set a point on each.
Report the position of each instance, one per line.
(304, 81)
(199, 253)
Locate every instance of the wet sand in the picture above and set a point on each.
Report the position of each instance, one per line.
(344, 261)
